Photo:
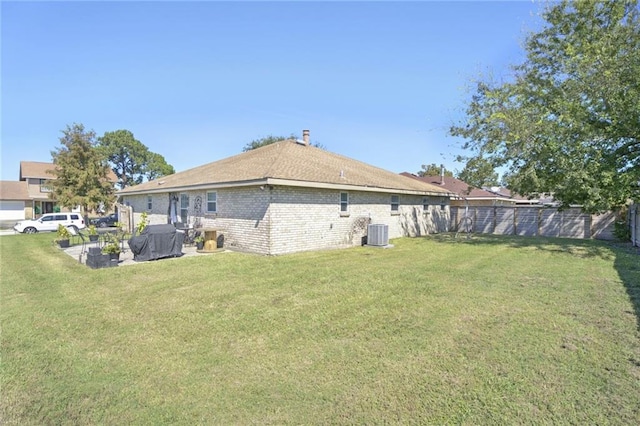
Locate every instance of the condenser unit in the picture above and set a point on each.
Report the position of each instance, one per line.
(377, 235)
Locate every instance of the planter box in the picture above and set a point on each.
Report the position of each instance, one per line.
(97, 260)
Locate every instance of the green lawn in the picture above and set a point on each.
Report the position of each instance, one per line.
(433, 331)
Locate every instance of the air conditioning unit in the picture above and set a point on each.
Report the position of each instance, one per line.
(378, 235)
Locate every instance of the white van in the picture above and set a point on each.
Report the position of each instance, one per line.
(50, 222)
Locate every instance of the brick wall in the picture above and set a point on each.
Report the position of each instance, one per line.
(280, 220)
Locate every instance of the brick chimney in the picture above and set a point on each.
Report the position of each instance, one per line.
(305, 137)
(441, 174)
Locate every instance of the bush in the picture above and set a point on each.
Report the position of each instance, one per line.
(621, 228)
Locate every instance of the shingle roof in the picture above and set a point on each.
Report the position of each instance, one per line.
(287, 163)
(39, 170)
(454, 185)
(13, 190)
(35, 169)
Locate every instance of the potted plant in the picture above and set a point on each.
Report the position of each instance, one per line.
(199, 240)
(93, 233)
(112, 248)
(63, 236)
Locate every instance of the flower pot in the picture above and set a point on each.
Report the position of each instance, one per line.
(200, 245)
(93, 238)
(114, 256)
(63, 243)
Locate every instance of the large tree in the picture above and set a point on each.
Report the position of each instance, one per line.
(81, 173)
(568, 123)
(130, 159)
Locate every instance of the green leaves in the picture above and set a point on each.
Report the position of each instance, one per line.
(569, 123)
(81, 173)
(131, 160)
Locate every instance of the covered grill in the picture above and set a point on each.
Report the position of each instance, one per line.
(156, 242)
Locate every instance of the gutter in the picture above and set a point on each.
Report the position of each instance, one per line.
(283, 182)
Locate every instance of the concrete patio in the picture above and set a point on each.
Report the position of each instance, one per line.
(79, 253)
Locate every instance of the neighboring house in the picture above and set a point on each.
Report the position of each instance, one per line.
(465, 195)
(36, 175)
(28, 198)
(516, 198)
(14, 195)
(290, 196)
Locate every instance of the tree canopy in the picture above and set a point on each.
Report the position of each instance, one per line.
(433, 170)
(130, 159)
(81, 173)
(479, 173)
(568, 123)
(267, 140)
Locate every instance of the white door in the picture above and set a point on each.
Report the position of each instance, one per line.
(11, 210)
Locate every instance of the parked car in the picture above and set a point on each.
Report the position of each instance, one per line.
(105, 221)
(50, 222)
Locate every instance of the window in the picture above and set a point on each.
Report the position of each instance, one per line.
(395, 203)
(149, 202)
(184, 208)
(425, 204)
(43, 186)
(443, 206)
(212, 202)
(344, 202)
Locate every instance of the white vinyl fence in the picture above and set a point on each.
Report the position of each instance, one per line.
(534, 221)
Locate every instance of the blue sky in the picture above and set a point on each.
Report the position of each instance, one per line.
(379, 82)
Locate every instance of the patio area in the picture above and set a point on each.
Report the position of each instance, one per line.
(79, 253)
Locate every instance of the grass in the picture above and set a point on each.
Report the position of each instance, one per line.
(434, 331)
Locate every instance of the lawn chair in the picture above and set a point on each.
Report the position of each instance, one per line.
(188, 231)
(79, 237)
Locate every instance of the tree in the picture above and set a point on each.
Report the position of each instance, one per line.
(81, 173)
(268, 140)
(131, 160)
(156, 166)
(567, 123)
(433, 170)
(479, 173)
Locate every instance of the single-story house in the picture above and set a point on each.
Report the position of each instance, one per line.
(290, 196)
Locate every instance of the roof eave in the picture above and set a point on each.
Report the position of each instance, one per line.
(282, 182)
(350, 187)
